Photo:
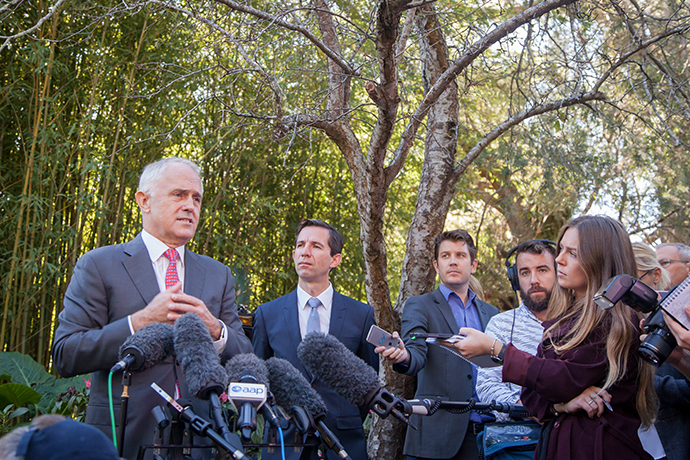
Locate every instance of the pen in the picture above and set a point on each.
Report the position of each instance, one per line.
(605, 403)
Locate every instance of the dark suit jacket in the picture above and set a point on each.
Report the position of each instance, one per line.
(276, 333)
(673, 421)
(108, 284)
(439, 373)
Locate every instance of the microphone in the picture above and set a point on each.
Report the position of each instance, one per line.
(205, 377)
(198, 357)
(327, 359)
(145, 348)
(291, 390)
(248, 392)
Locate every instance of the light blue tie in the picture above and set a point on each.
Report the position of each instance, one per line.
(314, 321)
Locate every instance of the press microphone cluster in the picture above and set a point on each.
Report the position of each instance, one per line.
(149, 346)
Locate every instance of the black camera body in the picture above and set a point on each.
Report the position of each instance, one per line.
(660, 342)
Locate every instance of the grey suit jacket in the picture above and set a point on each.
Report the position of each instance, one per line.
(277, 333)
(107, 285)
(439, 373)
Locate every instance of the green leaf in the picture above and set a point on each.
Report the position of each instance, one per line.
(18, 394)
(23, 369)
(19, 412)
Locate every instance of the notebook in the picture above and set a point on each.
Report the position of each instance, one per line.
(675, 302)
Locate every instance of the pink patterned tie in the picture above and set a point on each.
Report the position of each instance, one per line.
(171, 277)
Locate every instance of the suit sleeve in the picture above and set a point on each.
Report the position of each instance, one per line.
(86, 340)
(414, 320)
(672, 387)
(237, 341)
(262, 348)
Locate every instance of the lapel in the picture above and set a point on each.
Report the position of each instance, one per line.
(139, 268)
(337, 315)
(291, 318)
(194, 274)
(445, 310)
(483, 314)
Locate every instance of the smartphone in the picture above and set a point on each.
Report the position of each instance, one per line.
(380, 338)
(450, 338)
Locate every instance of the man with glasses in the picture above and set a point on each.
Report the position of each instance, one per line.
(675, 258)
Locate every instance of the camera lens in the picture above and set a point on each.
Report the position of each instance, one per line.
(657, 346)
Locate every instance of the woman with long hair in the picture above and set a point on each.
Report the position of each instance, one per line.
(583, 348)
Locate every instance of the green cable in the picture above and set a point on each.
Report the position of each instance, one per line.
(112, 411)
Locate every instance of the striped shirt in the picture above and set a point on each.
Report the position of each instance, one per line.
(527, 333)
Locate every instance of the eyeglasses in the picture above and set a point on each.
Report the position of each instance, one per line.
(646, 273)
(666, 262)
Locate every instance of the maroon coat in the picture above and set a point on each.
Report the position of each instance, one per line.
(549, 378)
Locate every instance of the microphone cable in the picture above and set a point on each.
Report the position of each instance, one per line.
(112, 411)
(282, 442)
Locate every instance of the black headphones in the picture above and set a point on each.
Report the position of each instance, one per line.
(512, 270)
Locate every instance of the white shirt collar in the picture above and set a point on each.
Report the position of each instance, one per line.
(326, 297)
(156, 247)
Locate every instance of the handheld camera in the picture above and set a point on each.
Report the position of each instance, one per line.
(660, 342)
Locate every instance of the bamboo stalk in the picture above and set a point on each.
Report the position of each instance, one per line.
(118, 129)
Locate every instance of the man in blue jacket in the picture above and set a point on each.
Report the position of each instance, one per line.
(280, 326)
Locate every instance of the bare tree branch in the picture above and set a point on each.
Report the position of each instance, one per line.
(476, 49)
(51, 11)
(302, 30)
(520, 117)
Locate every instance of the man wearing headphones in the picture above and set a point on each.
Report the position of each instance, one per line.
(534, 275)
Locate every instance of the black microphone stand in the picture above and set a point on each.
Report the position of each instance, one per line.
(219, 418)
(430, 406)
(124, 402)
(308, 424)
(200, 426)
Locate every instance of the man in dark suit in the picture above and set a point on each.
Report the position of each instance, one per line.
(116, 290)
(280, 326)
(439, 372)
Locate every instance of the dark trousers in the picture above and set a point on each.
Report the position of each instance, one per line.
(468, 450)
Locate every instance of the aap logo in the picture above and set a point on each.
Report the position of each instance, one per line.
(240, 389)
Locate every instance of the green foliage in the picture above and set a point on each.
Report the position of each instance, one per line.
(8, 416)
(105, 88)
(32, 391)
(18, 395)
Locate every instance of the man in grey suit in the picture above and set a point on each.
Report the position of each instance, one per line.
(116, 290)
(439, 372)
(280, 326)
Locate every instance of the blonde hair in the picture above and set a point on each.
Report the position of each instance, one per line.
(604, 251)
(645, 258)
(476, 287)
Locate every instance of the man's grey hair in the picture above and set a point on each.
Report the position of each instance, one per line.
(683, 250)
(153, 173)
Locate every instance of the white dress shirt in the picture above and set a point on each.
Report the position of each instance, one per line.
(156, 248)
(326, 298)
